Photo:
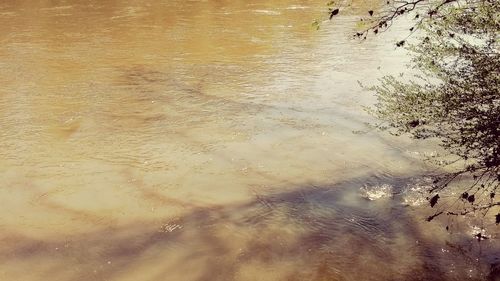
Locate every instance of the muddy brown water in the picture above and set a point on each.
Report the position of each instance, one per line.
(206, 140)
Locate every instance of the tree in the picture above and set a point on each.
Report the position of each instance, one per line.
(455, 97)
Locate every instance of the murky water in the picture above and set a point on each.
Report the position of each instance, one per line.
(203, 140)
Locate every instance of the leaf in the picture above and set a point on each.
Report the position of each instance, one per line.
(434, 200)
(370, 12)
(492, 195)
(497, 218)
(316, 24)
(465, 195)
(400, 43)
(481, 236)
(334, 13)
(471, 198)
(414, 123)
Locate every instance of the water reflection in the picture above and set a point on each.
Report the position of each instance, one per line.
(310, 233)
(185, 140)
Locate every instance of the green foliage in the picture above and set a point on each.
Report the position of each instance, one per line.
(456, 99)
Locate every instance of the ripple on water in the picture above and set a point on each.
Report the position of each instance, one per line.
(137, 130)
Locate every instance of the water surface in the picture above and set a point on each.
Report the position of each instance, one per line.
(202, 140)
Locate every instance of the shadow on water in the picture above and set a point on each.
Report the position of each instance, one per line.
(308, 233)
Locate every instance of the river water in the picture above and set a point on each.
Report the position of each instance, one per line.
(205, 140)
